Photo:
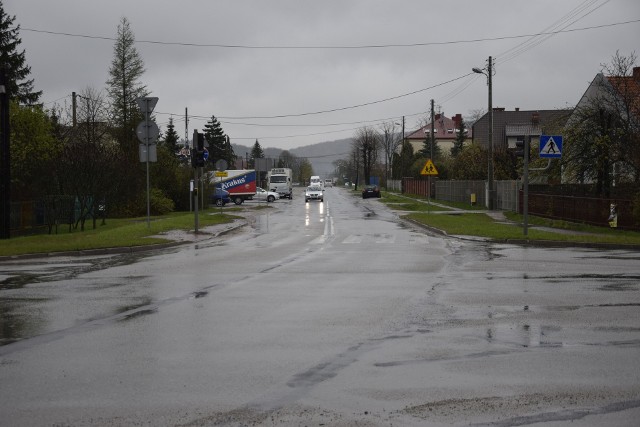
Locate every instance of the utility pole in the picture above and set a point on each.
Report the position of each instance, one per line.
(490, 167)
(5, 158)
(186, 126)
(433, 137)
(525, 178)
(74, 108)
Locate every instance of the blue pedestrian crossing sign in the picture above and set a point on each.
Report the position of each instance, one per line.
(550, 146)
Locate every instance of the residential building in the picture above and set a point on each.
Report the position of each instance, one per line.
(608, 110)
(511, 126)
(445, 131)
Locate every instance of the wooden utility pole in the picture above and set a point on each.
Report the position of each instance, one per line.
(5, 159)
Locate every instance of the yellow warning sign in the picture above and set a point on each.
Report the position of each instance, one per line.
(429, 169)
(221, 174)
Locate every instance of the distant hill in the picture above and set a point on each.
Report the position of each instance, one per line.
(321, 155)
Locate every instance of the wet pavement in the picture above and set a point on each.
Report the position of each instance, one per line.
(332, 314)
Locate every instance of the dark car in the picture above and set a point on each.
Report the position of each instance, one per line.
(220, 197)
(370, 191)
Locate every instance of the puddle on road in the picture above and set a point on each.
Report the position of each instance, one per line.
(551, 336)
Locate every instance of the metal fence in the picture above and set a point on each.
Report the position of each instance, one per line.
(462, 192)
(469, 192)
(43, 215)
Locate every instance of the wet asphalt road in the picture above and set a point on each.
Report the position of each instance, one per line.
(323, 314)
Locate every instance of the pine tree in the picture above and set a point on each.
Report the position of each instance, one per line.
(458, 144)
(20, 88)
(124, 85)
(171, 138)
(124, 88)
(256, 153)
(229, 155)
(215, 137)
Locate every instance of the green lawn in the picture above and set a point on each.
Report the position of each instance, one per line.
(482, 225)
(116, 233)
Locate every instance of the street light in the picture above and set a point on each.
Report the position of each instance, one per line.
(489, 74)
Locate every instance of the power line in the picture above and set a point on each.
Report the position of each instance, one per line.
(333, 110)
(371, 46)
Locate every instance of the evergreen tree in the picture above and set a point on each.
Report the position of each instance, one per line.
(215, 137)
(124, 85)
(256, 153)
(20, 88)
(426, 149)
(229, 155)
(124, 88)
(171, 138)
(458, 144)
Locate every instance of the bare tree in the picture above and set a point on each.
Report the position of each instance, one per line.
(390, 144)
(367, 144)
(89, 159)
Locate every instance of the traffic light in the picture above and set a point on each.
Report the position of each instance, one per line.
(197, 152)
(520, 148)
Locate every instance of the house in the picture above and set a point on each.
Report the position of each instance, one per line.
(445, 131)
(512, 126)
(608, 110)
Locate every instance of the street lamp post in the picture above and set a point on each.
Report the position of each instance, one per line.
(489, 74)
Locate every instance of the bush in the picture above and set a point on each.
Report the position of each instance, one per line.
(160, 204)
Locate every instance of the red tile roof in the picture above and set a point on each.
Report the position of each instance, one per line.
(628, 89)
(444, 128)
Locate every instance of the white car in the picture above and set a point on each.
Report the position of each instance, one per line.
(328, 183)
(262, 194)
(314, 192)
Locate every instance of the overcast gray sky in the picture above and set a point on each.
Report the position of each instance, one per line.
(243, 61)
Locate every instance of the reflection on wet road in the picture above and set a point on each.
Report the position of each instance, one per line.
(328, 313)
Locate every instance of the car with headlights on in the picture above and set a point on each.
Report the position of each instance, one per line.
(314, 192)
(370, 191)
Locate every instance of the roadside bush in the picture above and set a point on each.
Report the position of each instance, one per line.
(159, 203)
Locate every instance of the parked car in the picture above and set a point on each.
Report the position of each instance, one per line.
(220, 197)
(370, 191)
(269, 196)
(314, 193)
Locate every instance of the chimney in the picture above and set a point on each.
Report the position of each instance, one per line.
(517, 108)
(636, 73)
(535, 118)
(437, 116)
(457, 119)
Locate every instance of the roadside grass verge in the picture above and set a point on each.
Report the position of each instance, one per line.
(481, 225)
(402, 203)
(418, 203)
(115, 233)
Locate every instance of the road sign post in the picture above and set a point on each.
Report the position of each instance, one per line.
(147, 132)
(429, 169)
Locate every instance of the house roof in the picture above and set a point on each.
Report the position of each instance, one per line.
(444, 128)
(628, 88)
(517, 123)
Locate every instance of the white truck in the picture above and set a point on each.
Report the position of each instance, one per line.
(316, 181)
(280, 180)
